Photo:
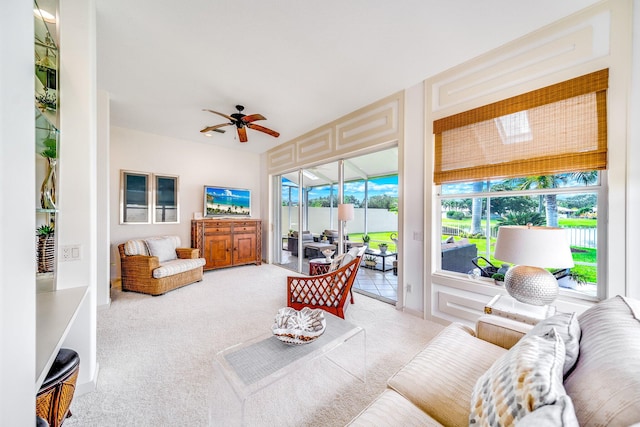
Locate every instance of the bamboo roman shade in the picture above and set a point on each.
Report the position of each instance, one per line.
(556, 129)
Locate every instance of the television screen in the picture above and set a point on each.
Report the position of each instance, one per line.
(225, 201)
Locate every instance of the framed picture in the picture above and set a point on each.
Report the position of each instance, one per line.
(135, 198)
(225, 201)
(166, 208)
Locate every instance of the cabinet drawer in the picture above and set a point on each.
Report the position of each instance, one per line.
(217, 229)
(248, 228)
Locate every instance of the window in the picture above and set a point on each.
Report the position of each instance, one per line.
(137, 203)
(166, 199)
(534, 158)
(472, 212)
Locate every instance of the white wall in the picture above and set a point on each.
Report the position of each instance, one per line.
(598, 37)
(77, 222)
(17, 217)
(196, 165)
(412, 197)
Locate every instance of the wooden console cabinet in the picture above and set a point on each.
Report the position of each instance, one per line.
(227, 242)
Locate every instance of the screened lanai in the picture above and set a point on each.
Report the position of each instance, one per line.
(309, 201)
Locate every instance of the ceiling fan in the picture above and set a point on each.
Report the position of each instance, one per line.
(241, 122)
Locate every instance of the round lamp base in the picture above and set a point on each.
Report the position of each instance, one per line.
(531, 285)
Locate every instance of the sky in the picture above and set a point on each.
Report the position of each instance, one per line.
(377, 186)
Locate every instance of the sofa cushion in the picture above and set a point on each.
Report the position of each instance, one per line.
(163, 247)
(136, 247)
(567, 326)
(392, 410)
(605, 382)
(169, 268)
(524, 379)
(439, 380)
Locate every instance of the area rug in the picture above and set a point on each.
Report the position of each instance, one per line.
(156, 355)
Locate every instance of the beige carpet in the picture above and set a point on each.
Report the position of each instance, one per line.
(156, 353)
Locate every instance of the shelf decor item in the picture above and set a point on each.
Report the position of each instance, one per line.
(298, 327)
(534, 249)
(46, 247)
(383, 247)
(48, 188)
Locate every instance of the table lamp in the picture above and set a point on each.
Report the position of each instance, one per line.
(533, 249)
(346, 213)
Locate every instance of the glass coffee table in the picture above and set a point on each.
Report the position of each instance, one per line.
(248, 370)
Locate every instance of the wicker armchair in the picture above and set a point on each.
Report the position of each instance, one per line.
(137, 271)
(330, 292)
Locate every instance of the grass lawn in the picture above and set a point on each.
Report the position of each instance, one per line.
(376, 239)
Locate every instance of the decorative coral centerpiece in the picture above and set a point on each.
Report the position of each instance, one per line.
(298, 327)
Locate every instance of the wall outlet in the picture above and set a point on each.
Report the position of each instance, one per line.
(409, 287)
(417, 235)
(70, 253)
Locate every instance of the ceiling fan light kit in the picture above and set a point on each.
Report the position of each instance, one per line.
(241, 122)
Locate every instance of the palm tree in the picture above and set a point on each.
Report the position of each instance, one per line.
(476, 209)
(543, 182)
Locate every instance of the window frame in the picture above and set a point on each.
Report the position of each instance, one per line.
(600, 189)
(151, 197)
(176, 193)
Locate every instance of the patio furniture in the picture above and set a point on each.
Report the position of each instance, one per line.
(331, 291)
(292, 243)
(458, 256)
(314, 249)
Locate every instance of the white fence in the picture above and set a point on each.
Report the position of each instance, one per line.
(321, 219)
(584, 237)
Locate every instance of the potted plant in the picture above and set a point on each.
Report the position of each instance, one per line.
(48, 188)
(383, 247)
(46, 248)
(370, 261)
(47, 101)
(366, 238)
(498, 278)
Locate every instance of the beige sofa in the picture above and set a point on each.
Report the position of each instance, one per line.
(156, 265)
(597, 382)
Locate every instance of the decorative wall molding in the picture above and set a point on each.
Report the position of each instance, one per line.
(373, 125)
(576, 45)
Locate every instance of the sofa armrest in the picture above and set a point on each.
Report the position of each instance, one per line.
(501, 331)
(139, 265)
(188, 253)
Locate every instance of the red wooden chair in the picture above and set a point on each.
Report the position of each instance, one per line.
(330, 292)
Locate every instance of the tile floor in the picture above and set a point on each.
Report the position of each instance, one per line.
(373, 283)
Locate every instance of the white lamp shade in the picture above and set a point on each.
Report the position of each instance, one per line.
(346, 212)
(544, 247)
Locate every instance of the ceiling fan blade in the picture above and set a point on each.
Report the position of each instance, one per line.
(242, 134)
(220, 114)
(263, 129)
(253, 117)
(215, 128)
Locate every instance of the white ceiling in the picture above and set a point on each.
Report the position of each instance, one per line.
(299, 63)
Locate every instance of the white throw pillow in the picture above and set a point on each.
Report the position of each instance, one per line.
(162, 247)
(566, 325)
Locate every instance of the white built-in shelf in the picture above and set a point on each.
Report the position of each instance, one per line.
(55, 312)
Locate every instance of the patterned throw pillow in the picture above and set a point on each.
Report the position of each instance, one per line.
(524, 379)
(567, 326)
(335, 264)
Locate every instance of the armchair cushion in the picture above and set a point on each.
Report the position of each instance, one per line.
(169, 268)
(163, 247)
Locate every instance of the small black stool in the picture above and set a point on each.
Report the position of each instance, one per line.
(55, 394)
